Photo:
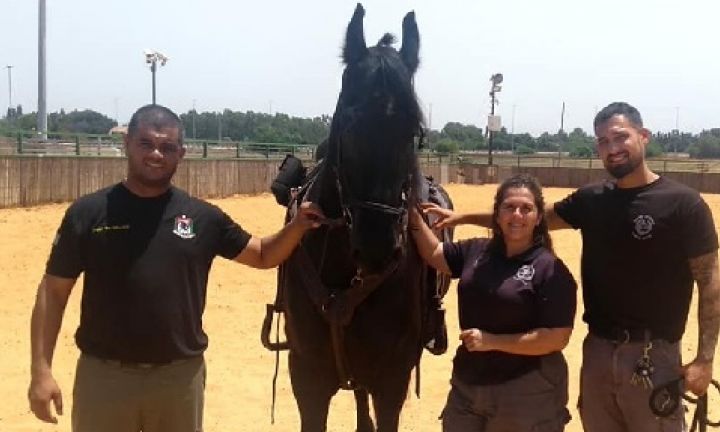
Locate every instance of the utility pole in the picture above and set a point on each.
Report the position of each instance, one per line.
(9, 68)
(42, 78)
(427, 137)
(496, 80)
(677, 128)
(512, 130)
(193, 120)
(562, 130)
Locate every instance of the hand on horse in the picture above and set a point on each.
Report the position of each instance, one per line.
(476, 340)
(698, 375)
(309, 215)
(44, 389)
(440, 218)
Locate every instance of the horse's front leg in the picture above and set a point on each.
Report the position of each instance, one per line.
(362, 405)
(388, 398)
(313, 387)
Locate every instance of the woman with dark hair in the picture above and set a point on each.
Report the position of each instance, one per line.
(516, 304)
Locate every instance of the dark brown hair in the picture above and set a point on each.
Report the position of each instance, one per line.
(541, 234)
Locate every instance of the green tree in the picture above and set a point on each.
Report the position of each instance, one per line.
(523, 149)
(447, 145)
(706, 146)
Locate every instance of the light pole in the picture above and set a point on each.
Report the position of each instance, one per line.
(493, 122)
(42, 69)
(152, 58)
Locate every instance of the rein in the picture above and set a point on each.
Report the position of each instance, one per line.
(665, 400)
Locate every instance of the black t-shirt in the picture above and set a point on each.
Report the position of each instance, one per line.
(504, 296)
(636, 247)
(146, 264)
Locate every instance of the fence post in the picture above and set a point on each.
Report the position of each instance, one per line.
(205, 146)
(237, 150)
(665, 165)
(19, 143)
(518, 161)
(77, 145)
(267, 151)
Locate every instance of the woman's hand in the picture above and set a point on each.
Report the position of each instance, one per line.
(440, 218)
(476, 340)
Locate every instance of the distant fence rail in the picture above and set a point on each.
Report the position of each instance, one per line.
(64, 167)
(27, 143)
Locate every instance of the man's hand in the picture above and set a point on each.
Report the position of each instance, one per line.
(476, 340)
(309, 215)
(44, 389)
(698, 375)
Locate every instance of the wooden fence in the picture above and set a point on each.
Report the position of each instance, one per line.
(29, 181)
(33, 180)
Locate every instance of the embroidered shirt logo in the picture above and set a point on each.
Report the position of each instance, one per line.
(184, 227)
(525, 273)
(643, 227)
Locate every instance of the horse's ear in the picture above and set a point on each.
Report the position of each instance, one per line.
(355, 48)
(410, 49)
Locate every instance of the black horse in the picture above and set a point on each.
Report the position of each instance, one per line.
(355, 291)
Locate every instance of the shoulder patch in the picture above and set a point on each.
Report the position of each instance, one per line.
(184, 227)
(525, 273)
(643, 227)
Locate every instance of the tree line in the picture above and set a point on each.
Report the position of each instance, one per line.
(454, 137)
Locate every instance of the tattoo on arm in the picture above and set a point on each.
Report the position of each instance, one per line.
(707, 276)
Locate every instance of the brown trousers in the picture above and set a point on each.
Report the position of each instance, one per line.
(609, 402)
(111, 397)
(534, 402)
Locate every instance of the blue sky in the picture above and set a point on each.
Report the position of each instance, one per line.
(661, 56)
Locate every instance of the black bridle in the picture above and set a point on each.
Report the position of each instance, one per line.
(349, 202)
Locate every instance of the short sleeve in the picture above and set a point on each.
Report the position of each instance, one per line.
(233, 238)
(456, 255)
(571, 209)
(558, 297)
(66, 258)
(699, 236)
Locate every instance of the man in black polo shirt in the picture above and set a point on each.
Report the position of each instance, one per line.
(145, 248)
(646, 239)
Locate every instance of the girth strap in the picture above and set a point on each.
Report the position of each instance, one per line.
(337, 307)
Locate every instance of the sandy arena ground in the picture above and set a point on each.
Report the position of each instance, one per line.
(240, 370)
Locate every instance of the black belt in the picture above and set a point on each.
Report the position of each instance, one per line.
(622, 336)
(134, 364)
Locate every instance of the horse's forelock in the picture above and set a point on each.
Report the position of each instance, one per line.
(387, 40)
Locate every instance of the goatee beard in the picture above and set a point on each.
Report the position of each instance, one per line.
(620, 171)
